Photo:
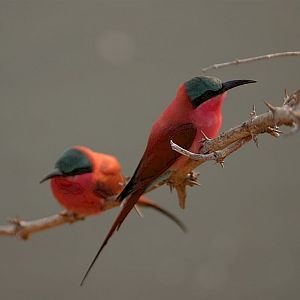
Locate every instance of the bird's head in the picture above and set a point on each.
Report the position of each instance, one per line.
(72, 162)
(203, 88)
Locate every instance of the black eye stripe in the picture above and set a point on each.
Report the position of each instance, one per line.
(206, 96)
(78, 171)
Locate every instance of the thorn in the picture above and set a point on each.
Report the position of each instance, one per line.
(286, 97)
(271, 107)
(15, 221)
(253, 112)
(138, 210)
(123, 203)
(255, 139)
(219, 159)
(205, 137)
(193, 182)
(286, 94)
(181, 194)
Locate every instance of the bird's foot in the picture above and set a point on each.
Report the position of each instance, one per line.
(192, 179)
(71, 217)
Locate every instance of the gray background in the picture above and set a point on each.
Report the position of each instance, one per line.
(98, 73)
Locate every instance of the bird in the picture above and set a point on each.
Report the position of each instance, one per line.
(194, 113)
(87, 183)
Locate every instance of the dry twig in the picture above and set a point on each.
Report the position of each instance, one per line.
(251, 59)
(24, 229)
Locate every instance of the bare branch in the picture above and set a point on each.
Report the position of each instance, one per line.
(24, 229)
(251, 59)
(218, 155)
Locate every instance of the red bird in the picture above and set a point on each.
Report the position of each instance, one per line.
(87, 183)
(193, 114)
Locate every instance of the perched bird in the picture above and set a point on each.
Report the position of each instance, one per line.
(194, 114)
(87, 183)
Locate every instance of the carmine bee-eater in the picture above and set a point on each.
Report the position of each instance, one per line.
(195, 112)
(87, 183)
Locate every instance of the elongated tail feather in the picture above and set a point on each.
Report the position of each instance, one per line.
(148, 203)
(116, 225)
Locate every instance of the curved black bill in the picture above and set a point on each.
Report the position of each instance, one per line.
(234, 83)
(54, 173)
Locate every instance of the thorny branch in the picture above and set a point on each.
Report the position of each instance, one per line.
(230, 141)
(24, 229)
(213, 149)
(251, 59)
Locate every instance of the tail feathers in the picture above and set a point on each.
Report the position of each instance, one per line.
(116, 226)
(148, 203)
(128, 189)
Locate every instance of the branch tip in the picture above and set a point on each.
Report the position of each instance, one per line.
(238, 61)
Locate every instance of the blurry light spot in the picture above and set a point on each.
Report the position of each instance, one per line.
(116, 47)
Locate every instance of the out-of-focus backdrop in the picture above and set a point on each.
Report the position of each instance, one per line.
(98, 73)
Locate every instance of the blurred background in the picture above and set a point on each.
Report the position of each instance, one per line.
(98, 73)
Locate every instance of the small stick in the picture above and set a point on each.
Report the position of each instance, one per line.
(251, 59)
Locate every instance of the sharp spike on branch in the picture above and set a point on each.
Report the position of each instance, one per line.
(286, 97)
(253, 112)
(271, 107)
(205, 137)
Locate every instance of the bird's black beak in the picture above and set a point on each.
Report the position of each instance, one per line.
(234, 83)
(54, 173)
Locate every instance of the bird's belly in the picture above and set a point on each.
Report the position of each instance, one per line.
(76, 197)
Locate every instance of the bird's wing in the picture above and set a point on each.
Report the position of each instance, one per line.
(158, 157)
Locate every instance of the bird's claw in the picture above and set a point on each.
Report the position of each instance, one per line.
(192, 179)
(71, 217)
